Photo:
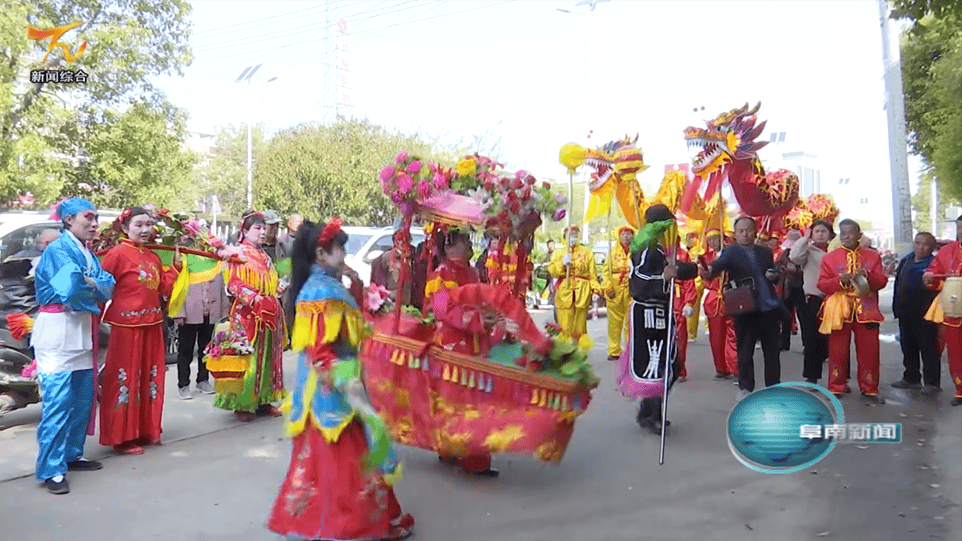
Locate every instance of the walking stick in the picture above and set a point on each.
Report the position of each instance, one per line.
(668, 345)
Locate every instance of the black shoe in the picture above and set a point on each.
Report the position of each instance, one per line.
(848, 389)
(874, 398)
(490, 472)
(720, 376)
(902, 384)
(84, 465)
(811, 380)
(957, 401)
(648, 424)
(54, 487)
(929, 390)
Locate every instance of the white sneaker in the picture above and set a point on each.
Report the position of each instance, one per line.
(184, 393)
(742, 393)
(205, 387)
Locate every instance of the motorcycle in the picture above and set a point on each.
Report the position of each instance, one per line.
(18, 382)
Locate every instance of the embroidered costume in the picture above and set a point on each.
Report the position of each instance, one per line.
(256, 309)
(844, 313)
(614, 283)
(133, 374)
(721, 329)
(576, 283)
(685, 295)
(339, 483)
(64, 343)
(949, 261)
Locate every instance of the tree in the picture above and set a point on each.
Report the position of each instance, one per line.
(41, 124)
(323, 171)
(225, 173)
(932, 81)
(134, 158)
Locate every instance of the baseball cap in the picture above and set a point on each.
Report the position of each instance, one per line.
(271, 217)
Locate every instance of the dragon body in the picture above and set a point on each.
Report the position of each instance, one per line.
(616, 166)
(729, 151)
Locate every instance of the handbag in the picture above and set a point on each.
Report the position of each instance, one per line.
(740, 299)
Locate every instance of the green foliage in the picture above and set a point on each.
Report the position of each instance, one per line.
(44, 126)
(323, 171)
(917, 9)
(134, 158)
(932, 81)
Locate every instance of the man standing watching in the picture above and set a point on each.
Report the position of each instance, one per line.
(206, 304)
(747, 262)
(807, 253)
(948, 262)
(71, 286)
(918, 337)
(851, 278)
(272, 223)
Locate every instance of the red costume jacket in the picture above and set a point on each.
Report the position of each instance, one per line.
(141, 282)
(685, 291)
(841, 303)
(947, 261)
(714, 306)
(459, 328)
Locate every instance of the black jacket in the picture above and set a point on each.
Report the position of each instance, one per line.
(647, 282)
(738, 264)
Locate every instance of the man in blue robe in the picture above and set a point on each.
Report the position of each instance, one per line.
(70, 287)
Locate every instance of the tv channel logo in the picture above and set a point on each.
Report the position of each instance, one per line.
(55, 34)
(786, 428)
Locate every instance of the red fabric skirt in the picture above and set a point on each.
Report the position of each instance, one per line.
(326, 495)
(132, 382)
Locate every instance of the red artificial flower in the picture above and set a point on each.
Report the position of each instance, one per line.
(517, 183)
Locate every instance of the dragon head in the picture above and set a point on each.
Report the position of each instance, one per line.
(730, 136)
(619, 158)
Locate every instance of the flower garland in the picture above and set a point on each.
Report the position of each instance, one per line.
(408, 181)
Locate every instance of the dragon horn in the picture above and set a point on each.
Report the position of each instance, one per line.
(635, 140)
(757, 131)
(754, 109)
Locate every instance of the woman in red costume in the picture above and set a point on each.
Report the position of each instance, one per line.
(721, 329)
(948, 262)
(133, 375)
(459, 329)
(253, 283)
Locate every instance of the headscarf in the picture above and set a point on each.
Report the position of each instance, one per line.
(72, 206)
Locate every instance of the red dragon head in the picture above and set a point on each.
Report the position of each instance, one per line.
(730, 136)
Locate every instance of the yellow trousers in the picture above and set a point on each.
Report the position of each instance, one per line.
(617, 322)
(573, 321)
(694, 319)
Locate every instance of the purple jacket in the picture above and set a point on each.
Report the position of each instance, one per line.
(213, 294)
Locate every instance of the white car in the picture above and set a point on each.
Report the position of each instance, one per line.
(365, 244)
(19, 230)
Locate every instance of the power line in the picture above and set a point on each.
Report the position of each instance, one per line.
(378, 30)
(214, 31)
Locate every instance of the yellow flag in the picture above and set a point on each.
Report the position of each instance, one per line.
(179, 293)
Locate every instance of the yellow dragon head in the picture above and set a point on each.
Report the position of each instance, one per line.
(730, 136)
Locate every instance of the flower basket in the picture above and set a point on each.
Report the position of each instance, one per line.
(229, 356)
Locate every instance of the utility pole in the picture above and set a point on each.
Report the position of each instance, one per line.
(898, 156)
(935, 206)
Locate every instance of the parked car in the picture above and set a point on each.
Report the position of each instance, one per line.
(365, 244)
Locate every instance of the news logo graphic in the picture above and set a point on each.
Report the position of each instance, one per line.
(786, 428)
(57, 76)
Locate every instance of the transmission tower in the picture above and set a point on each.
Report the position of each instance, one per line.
(336, 97)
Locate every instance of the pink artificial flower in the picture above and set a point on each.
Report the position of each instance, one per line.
(414, 167)
(531, 180)
(439, 181)
(504, 182)
(526, 193)
(192, 226)
(517, 183)
(387, 173)
(520, 173)
(489, 185)
(375, 297)
(433, 167)
(424, 189)
(514, 206)
(560, 198)
(405, 183)
(397, 197)
(559, 214)
(401, 156)
(546, 185)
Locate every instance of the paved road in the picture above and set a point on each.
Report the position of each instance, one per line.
(215, 478)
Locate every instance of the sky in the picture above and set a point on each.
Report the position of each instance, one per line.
(537, 77)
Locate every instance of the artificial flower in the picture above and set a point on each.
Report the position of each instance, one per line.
(560, 214)
(401, 156)
(467, 167)
(405, 184)
(387, 173)
(440, 182)
(414, 167)
(424, 189)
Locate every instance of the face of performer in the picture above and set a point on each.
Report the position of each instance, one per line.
(924, 246)
(745, 232)
(83, 225)
(849, 236)
(139, 228)
(255, 234)
(714, 242)
(958, 230)
(821, 235)
(461, 250)
(573, 238)
(625, 237)
(333, 259)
